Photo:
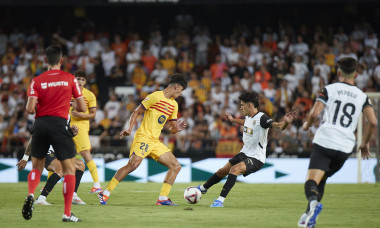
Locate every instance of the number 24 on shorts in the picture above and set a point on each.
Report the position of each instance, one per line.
(144, 145)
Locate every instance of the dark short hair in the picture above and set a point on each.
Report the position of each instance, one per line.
(348, 65)
(53, 54)
(251, 97)
(179, 79)
(81, 74)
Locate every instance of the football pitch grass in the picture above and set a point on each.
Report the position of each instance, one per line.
(248, 205)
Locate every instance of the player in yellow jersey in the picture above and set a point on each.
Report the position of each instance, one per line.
(82, 121)
(157, 107)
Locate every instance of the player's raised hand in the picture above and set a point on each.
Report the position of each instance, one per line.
(364, 149)
(124, 133)
(21, 165)
(181, 125)
(229, 117)
(289, 117)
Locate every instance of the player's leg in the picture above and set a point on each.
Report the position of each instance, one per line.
(34, 177)
(93, 170)
(133, 163)
(320, 161)
(79, 167)
(68, 186)
(221, 173)
(235, 171)
(65, 151)
(321, 188)
(55, 167)
(169, 160)
(215, 178)
(39, 148)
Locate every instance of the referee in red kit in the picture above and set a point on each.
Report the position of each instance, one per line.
(49, 96)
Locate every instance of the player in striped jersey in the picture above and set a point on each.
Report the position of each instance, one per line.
(157, 107)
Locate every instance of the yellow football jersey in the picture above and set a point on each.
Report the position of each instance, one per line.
(158, 109)
(90, 100)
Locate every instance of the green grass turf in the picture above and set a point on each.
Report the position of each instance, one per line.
(248, 205)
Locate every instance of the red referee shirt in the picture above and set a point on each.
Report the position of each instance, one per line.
(54, 90)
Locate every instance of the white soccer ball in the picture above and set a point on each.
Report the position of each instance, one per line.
(192, 195)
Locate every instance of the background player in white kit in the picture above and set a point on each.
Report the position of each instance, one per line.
(335, 139)
(252, 156)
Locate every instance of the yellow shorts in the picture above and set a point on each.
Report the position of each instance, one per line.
(144, 147)
(82, 140)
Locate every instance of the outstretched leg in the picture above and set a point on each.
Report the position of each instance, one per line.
(170, 161)
(133, 163)
(235, 171)
(215, 178)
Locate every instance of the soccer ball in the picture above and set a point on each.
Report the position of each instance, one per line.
(192, 195)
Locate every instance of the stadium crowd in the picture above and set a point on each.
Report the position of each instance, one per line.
(284, 64)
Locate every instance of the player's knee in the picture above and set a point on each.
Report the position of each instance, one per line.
(235, 171)
(176, 167)
(134, 165)
(221, 173)
(81, 166)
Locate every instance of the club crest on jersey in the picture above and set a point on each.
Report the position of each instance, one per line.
(161, 119)
(248, 130)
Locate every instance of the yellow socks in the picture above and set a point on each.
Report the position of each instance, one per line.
(93, 170)
(111, 186)
(165, 190)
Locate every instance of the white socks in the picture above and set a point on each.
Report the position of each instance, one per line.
(96, 185)
(163, 198)
(313, 204)
(106, 193)
(221, 199)
(202, 188)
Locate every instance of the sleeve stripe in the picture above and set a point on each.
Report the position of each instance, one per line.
(321, 100)
(142, 105)
(173, 120)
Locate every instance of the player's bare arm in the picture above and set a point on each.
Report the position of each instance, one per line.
(80, 104)
(369, 114)
(177, 126)
(132, 120)
(31, 105)
(84, 116)
(22, 163)
(288, 118)
(233, 120)
(313, 115)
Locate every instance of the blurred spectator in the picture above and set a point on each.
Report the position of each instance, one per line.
(108, 59)
(132, 58)
(159, 74)
(169, 48)
(168, 63)
(361, 80)
(149, 60)
(201, 41)
(112, 107)
(217, 68)
(185, 65)
(263, 77)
